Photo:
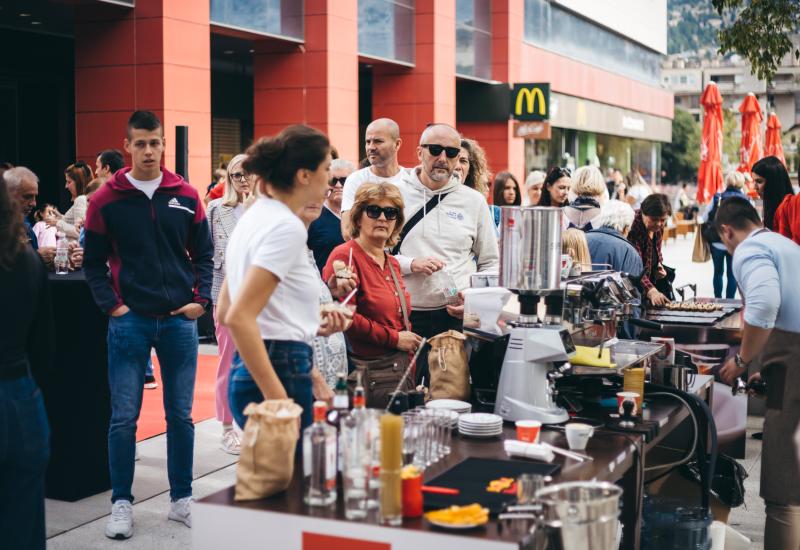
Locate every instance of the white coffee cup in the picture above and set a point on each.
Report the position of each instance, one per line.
(578, 435)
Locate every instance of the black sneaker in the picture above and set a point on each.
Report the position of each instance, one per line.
(150, 382)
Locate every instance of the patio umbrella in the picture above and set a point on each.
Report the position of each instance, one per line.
(751, 147)
(773, 146)
(709, 176)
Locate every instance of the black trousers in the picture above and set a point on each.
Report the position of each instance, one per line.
(429, 323)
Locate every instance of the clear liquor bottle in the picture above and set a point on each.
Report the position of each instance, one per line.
(319, 460)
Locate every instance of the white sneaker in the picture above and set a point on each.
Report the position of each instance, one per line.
(230, 442)
(181, 510)
(120, 523)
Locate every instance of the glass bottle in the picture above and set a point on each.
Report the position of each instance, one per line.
(319, 460)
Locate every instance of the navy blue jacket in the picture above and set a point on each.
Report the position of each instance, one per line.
(159, 251)
(608, 246)
(324, 234)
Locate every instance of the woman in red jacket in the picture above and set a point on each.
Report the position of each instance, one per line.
(379, 327)
(781, 209)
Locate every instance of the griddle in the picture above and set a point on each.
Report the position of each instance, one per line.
(699, 318)
(471, 477)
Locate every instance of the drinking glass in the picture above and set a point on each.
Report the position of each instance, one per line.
(445, 432)
(528, 485)
(355, 466)
(372, 430)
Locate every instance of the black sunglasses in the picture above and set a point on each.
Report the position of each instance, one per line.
(375, 211)
(333, 181)
(436, 150)
(564, 172)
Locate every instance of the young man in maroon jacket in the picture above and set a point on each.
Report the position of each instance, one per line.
(148, 226)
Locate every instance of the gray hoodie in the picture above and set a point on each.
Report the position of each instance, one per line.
(459, 231)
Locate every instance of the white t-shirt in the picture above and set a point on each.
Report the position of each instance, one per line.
(639, 192)
(359, 178)
(148, 187)
(272, 237)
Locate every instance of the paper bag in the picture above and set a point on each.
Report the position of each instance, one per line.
(701, 253)
(448, 367)
(266, 460)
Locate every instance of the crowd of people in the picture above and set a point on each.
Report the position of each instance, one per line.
(310, 267)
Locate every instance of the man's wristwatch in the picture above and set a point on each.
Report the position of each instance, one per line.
(740, 363)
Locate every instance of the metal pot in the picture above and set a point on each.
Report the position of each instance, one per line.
(582, 514)
(530, 248)
(677, 376)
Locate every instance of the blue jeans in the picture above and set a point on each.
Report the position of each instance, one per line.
(130, 339)
(722, 261)
(24, 452)
(292, 362)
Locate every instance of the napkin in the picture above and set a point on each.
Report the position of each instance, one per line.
(587, 357)
(514, 447)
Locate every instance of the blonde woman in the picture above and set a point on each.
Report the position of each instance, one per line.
(573, 243)
(588, 193)
(533, 188)
(379, 327)
(223, 215)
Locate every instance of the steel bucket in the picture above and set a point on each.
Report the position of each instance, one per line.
(530, 248)
(582, 514)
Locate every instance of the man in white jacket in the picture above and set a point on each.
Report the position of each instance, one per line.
(454, 237)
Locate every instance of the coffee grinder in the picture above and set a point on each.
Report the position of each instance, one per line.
(539, 346)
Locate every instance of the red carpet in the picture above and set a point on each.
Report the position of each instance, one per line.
(151, 419)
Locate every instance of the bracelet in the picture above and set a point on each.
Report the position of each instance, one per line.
(740, 363)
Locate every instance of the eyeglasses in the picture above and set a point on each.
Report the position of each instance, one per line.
(241, 177)
(333, 181)
(436, 150)
(374, 211)
(564, 172)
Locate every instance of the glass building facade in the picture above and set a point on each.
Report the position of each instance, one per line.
(386, 30)
(281, 18)
(556, 29)
(474, 38)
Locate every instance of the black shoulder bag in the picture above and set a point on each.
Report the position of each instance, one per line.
(417, 217)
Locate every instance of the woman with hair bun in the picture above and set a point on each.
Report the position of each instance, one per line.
(270, 297)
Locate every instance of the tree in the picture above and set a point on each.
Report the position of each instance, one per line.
(731, 137)
(760, 32)
(681, 158)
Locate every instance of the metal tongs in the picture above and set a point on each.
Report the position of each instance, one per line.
(682, 290)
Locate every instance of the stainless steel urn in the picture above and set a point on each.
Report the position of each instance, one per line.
(530, 248)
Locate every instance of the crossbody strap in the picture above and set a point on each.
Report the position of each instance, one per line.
(417, 217)
(400, 294)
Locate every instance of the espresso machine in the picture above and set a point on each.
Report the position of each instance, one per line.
(516, 372)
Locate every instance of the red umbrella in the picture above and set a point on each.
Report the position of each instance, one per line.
(750, 150)
(709, 176)
(773, 146)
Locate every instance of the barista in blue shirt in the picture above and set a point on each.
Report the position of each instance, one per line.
(765, 265)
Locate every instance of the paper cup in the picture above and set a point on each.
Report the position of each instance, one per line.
(629, 396)
(528, 430)
(578, 435)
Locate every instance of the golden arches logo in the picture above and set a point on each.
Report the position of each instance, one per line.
(529, 96)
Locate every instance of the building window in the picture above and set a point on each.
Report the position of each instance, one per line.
(474, 38)
(279, 18)
(560, 31)
(386, 29)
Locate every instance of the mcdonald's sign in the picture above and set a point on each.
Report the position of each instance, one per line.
(530, 101)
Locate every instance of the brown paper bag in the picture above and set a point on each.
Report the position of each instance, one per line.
(448, 367)
(266, 460)
(701, 253)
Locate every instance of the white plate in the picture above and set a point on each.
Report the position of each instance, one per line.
(454, 526)
(451, 404)
(484, 419)
(480, 430)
